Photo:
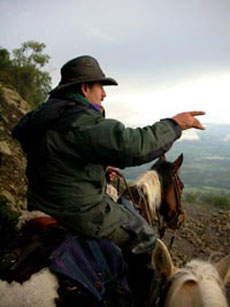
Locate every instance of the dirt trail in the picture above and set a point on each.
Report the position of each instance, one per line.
(205, 234)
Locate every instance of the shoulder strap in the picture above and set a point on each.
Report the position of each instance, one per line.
(100, 259)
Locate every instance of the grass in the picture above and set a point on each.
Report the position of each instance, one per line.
(207, 197)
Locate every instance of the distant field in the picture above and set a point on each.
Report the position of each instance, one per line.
(207, 189)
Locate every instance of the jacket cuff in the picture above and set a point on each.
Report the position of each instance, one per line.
(176, 127)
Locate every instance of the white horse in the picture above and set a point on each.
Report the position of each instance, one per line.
(198, 284)
(39, 291)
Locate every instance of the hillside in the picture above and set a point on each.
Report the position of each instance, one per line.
(12, 160)
(205, 234)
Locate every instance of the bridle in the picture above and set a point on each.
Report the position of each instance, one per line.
(178, 186)
(178, 218)
(175, 222)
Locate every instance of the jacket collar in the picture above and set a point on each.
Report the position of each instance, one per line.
(84, 100)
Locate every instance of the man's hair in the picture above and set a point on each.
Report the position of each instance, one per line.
(76, 89)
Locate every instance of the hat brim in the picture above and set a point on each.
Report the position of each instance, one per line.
(104, 81)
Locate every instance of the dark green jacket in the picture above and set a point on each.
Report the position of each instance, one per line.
(69, 144)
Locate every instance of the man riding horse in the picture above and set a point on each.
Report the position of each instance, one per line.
(70, 144)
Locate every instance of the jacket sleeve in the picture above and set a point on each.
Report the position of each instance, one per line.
(109, 142)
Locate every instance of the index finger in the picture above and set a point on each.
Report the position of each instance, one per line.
(195, 113)
(198, 125)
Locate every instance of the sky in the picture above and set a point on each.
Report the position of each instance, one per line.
(168, 56)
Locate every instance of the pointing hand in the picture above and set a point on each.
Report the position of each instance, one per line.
(188, 120)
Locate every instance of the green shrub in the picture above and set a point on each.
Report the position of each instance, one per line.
(189, 197)
(216, 200)
(207, 198)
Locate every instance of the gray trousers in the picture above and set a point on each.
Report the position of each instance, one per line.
(125, 226)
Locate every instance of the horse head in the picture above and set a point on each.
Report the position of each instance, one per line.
(199, 283)
(171, 191)
(158, 192)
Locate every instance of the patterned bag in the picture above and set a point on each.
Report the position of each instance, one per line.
(95, 268)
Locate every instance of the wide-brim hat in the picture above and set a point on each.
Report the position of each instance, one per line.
(83, 69)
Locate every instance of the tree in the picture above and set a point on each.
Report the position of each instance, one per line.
(4, 58)
(30, 54)
(32, 83)
(5, 66)
(25, 71)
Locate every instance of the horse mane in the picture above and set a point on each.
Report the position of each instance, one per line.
(152, 183)
(148, 185)
(199, 281)
(165, 171)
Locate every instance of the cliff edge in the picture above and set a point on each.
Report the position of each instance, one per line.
(12, 160)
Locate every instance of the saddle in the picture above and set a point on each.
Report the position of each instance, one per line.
(29, 252)
(91, 271)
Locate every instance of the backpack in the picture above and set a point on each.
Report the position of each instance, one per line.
(91, 272)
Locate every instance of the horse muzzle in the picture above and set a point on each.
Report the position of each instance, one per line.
(177, 221)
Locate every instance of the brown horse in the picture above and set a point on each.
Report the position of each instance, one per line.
(199, 283)
(156, 192)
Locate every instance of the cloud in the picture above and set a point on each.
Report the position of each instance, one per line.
(139, 104)
(168, 56)
(189, 135)
(227, 138)
(99, 34)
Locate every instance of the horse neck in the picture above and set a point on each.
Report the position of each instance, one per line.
(148, 186)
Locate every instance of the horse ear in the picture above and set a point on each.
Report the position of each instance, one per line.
(162, 261)
(178, 162)
(223, 268)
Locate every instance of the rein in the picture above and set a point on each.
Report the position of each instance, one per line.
(178, 186)
(130, 194)
(121, 176)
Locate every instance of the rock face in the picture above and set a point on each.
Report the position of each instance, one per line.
(12, 159)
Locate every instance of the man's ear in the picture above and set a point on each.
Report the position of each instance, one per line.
(162, 261)
(85, 89)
